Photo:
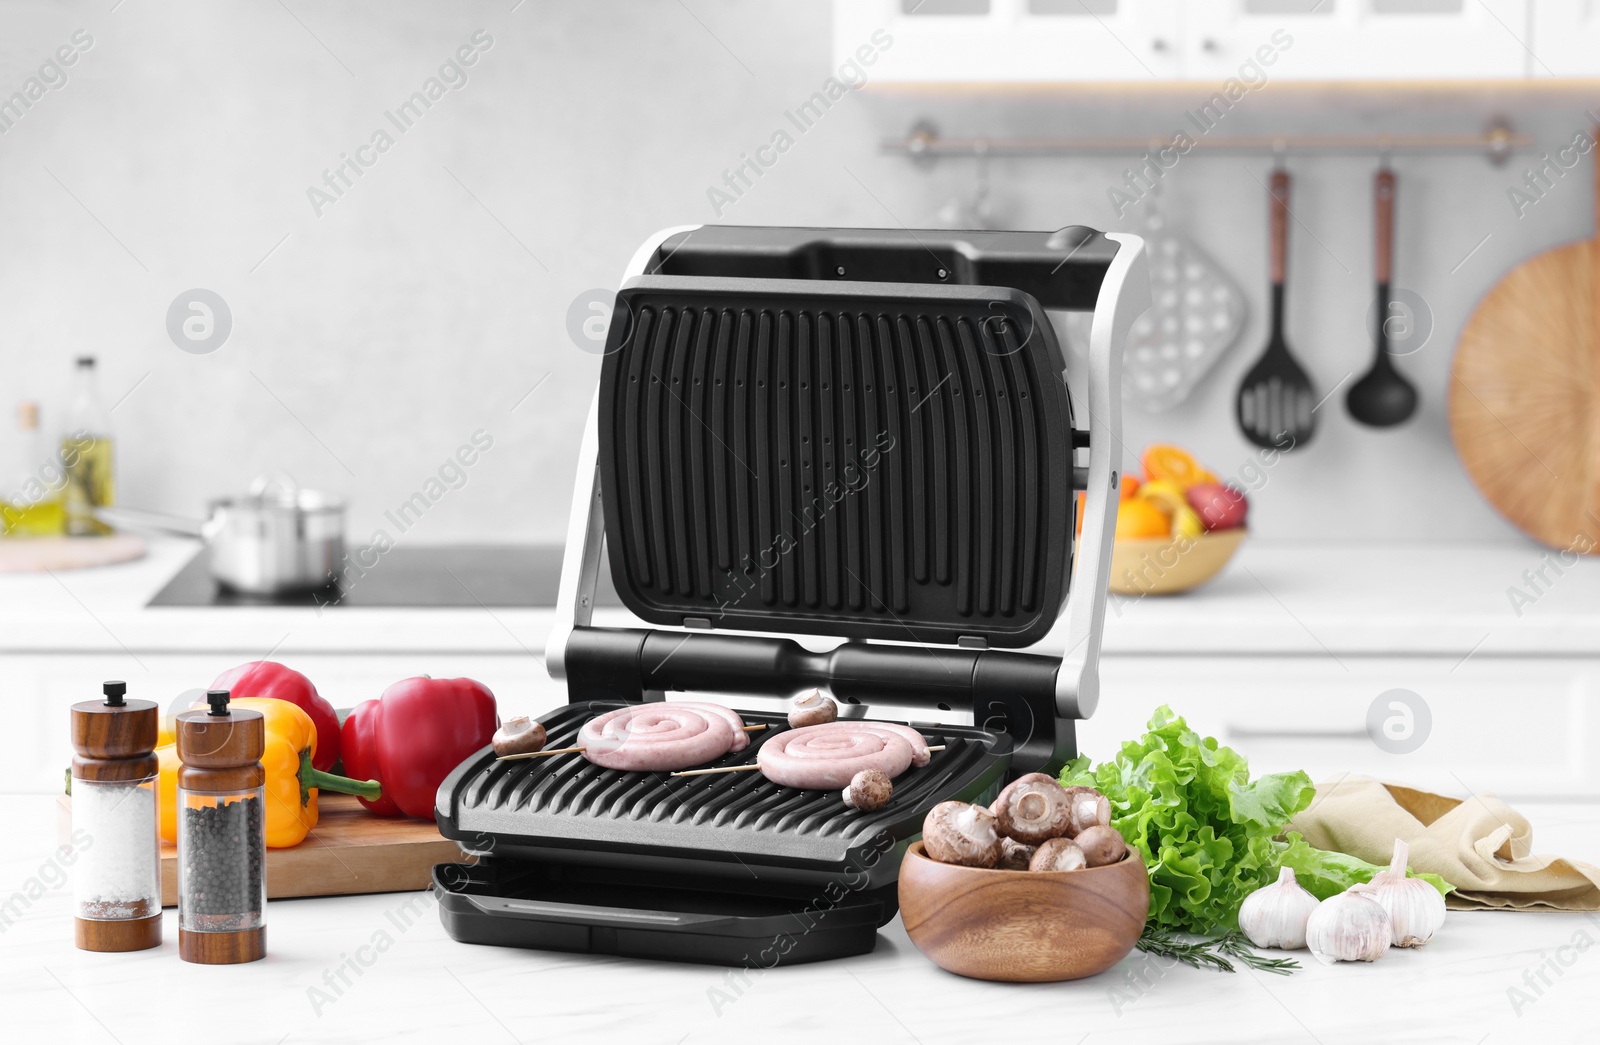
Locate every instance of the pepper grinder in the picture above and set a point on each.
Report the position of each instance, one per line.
(222, 882)
(116, 875)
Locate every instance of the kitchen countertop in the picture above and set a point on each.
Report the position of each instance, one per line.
(380, 968)
(1373, 600)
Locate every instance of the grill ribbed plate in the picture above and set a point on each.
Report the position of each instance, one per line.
(890, 461)
(567, 802)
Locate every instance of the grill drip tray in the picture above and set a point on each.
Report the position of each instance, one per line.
(640, 914)
(719, 868)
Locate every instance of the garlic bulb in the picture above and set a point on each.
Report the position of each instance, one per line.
(1415, 908)
(1275, 915)
(1349, 927)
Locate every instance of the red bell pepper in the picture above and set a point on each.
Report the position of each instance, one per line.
(264, 678)
(412, 736)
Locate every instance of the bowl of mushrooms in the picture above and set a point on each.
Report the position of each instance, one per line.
(1036, 887)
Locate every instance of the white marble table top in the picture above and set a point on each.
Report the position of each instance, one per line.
(381, 969)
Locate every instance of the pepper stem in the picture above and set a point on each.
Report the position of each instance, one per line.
(312, 777)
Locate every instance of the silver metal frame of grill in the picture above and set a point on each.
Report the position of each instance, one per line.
(1124, 294)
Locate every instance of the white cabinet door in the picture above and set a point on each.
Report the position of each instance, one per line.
(1566, 38)
(1377, 40)
(1520, 728)
(1001, 41)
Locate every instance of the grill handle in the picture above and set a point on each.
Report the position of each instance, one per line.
(1007, 692)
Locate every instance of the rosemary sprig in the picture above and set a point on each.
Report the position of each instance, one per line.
(1210, 952)
(1163, 943)
(1237, 946)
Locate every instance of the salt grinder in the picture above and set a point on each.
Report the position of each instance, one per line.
(116, 870)
(222, 881)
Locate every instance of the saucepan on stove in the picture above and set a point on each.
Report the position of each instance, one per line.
(277, 538)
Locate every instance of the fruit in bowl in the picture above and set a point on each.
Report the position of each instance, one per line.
(1219, 507)
(1177, 525)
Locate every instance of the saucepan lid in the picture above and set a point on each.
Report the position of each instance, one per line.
(278, 491)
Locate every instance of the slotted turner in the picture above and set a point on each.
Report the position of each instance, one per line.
(1276, 398)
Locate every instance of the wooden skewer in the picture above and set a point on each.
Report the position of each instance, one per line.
(576, 750)
(718, 769)
(540, 754)
(753, 765)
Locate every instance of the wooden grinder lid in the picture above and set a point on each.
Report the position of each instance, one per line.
(114, 738)
(213, 740)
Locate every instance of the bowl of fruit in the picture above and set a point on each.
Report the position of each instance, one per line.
(1177, 525)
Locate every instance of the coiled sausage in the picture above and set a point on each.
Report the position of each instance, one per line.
(826, 756)
(661, 737)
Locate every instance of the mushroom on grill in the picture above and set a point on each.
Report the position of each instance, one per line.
(868, 790)
(518, 736)
(812, 709)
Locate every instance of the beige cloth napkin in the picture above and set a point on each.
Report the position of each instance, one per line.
(1480, 845)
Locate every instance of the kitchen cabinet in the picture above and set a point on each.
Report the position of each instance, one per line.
(1566, 39)
(1145, 41)
(1020, 41)
(1379, 40)
(1512, 691)
(1518, 727)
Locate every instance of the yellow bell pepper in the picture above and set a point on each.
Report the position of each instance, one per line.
(292, 782)
(167, 785)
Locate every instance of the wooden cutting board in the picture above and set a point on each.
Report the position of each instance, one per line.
(350, 851)
(1525, 395)
(37, 554)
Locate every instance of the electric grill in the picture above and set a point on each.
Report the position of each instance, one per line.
(864, 435)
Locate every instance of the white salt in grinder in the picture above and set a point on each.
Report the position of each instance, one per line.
(116, 871)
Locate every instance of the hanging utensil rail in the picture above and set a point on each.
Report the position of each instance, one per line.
(1497, 143)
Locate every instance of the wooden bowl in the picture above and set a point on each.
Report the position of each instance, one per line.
(1168, 565)
(1023, 926)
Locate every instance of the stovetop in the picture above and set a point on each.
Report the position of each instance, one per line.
(440, 576)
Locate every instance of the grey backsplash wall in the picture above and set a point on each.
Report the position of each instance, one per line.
(371, 341)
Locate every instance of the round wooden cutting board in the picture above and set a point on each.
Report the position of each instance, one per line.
(1525, 396)
(36, 554)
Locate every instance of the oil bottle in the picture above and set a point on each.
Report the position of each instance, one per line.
(86, 456)
(30, 499)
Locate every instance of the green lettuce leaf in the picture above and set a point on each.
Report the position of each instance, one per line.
(1209, 835)
(1323, 873)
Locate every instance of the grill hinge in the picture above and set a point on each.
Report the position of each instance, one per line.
(972, 642)
(698, 623)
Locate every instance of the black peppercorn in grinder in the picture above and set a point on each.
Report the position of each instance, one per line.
(222, 874)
